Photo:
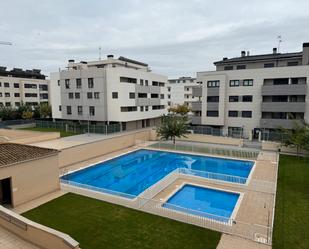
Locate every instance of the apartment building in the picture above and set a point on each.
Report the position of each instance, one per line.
(251, 93)
(180, 91)
(18, 87)
(109, 91)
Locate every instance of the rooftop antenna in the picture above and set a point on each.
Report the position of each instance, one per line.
(100, 50)
(279, 38)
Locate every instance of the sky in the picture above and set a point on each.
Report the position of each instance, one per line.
(175, 37)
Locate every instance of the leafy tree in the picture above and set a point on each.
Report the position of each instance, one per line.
(8, 113)
(21, 109)
(27, 115)
(298, 136)
(43, 110)
(180, 109)
(172, 126)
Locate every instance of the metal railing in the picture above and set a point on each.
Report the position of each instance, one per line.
(256, 232)
(236, 153)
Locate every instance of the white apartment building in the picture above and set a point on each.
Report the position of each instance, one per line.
(18, 87)
(180, 91)
(109, 91)
(248, 94)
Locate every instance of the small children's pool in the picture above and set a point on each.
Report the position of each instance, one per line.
(202, 201)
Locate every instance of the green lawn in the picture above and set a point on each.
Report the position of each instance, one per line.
(292, 204)
(97, 224)
(63, 133)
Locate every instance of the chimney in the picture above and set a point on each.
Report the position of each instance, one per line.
(243, 53)
(224, 58)
(305, 53)
(71, 61)
(274, 50)
(110, 56)
(248, 53)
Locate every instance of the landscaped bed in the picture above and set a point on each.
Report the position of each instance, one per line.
(97, 224)
(292, 204)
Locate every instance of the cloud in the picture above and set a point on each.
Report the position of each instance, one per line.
(175, 37)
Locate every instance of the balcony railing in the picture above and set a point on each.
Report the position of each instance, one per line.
(284, 90)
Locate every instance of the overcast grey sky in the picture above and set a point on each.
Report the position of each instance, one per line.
(175, 38)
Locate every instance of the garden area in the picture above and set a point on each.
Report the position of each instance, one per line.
(292, 204)
(98, 224)
(63, 133)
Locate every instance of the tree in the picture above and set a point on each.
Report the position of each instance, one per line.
(298, 137)
(172, 126)
(27, 115)
(180, 109)
(43, 110)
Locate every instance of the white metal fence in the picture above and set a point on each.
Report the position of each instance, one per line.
(255, 232)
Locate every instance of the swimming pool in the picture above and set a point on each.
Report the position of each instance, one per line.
(202, 201)
(134, 172)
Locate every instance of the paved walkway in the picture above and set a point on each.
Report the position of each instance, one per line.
(9, 240)
(233, 242)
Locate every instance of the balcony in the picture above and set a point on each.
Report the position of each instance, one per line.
(196, 106)
(197, 91)
(278, 123)
(196, 120)
(283, 106)
(212, 106)
(147, 102)
(284, 90)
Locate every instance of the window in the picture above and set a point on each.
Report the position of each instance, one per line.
(141, 82)
(79, 110)
(168, 96)
(142, 95)
(154, 96)
(213, 83)
(115, 95)
(89, 95)
(169, 89)
(6, 84)
(77, 95)
(155, 83)
(281, 81)
(67, 83)
(69, 110)
(212, 114)
(96, 95)
(161, 84)
(31, 95)
(17, 104)
(239, 67)
(246, 114)
(16, 95)
(58, 82)
(161, 96)
(90, 83)
(43, 87)
(228, 68)
(142, 108)
(132, 95)
(0, 94)
(128, 80)
(233, 98)
(71, 96)
(7, 103)
(78, 83)
(0, 86)
(234, 83)
(233, 113)
(292, 63)
(91, 111)
(146, 82)
(146, 108)
(59, 108)
(247, 98)
(213, 99)
(128, 109)
(158, 107)
(8, 95)
(248, 82)
(268, 65)
(43, 95)
(16, 85)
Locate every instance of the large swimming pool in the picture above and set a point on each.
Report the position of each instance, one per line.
(134, 172)
(207, 202)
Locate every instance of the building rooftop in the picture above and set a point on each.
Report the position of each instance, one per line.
(249, 58)
(20, 73)
(11, 153)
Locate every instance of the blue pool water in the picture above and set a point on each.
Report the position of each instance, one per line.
(207, 202)
(134, 172)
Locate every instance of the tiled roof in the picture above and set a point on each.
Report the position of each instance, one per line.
(11, 153)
